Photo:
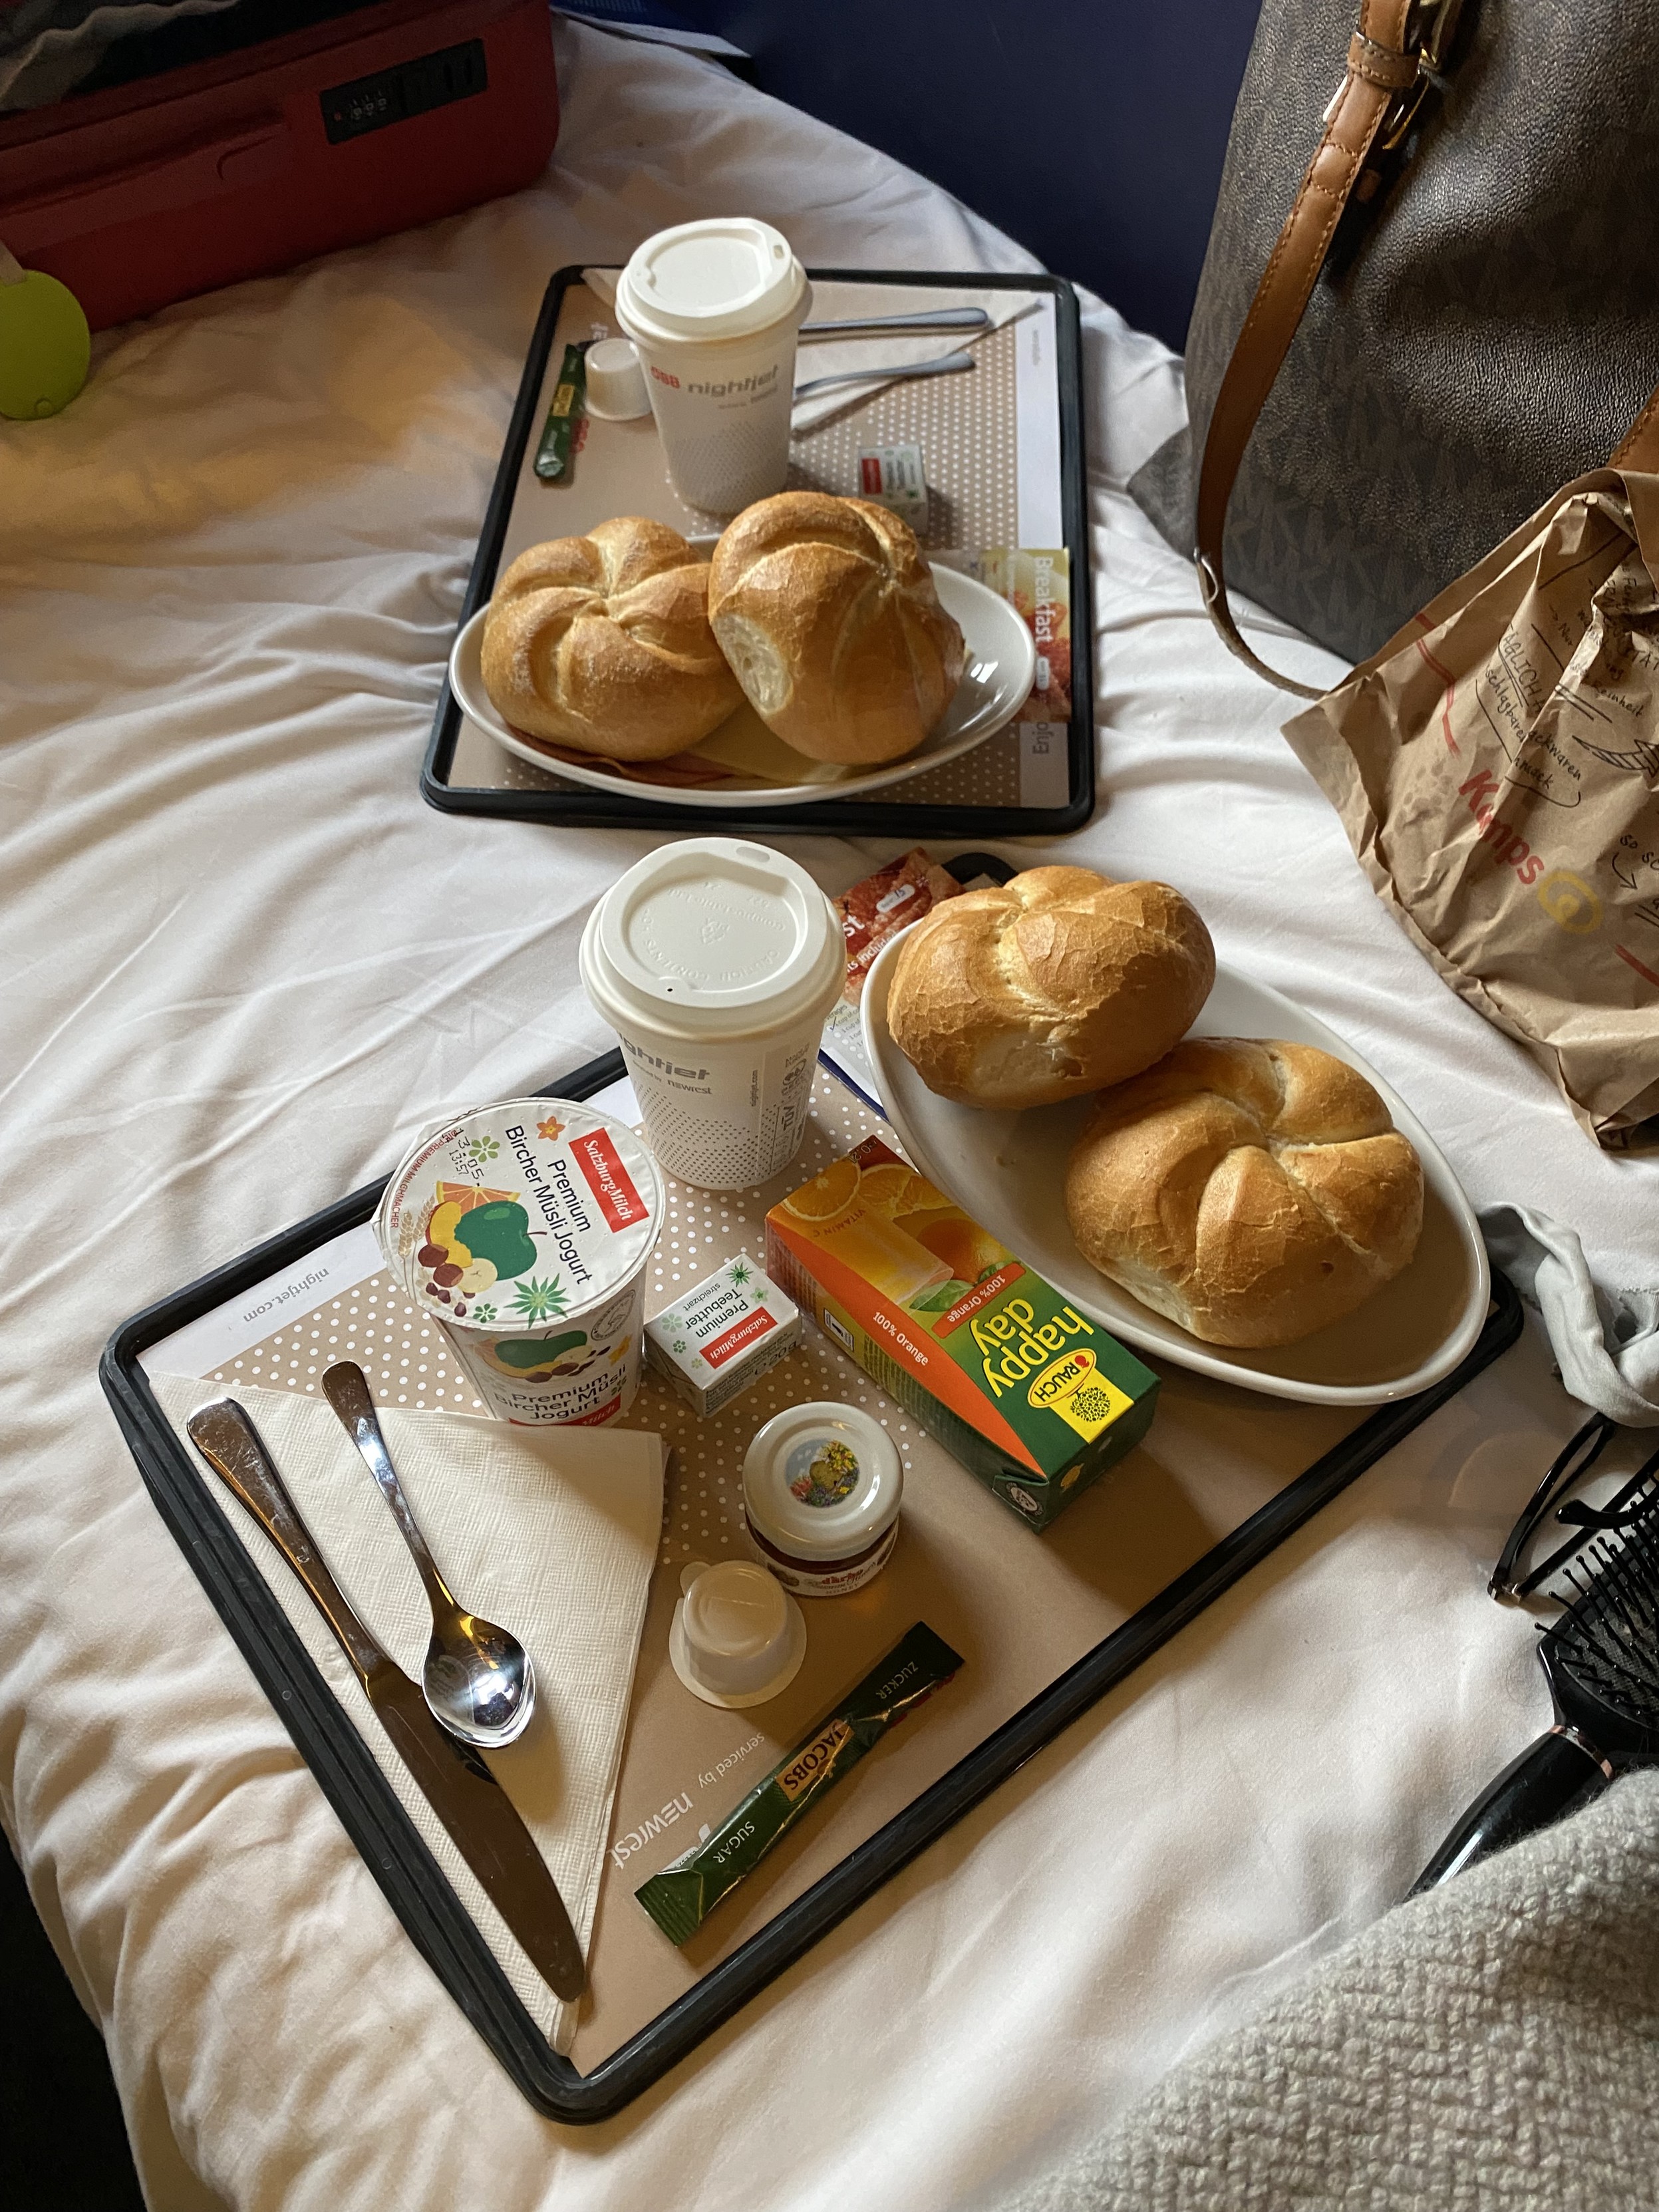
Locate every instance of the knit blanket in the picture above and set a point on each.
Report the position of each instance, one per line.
(1492, 2046)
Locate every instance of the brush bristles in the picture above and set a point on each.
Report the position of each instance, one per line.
(1609, 1637)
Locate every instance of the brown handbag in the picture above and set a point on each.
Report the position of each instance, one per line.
(1496, 762)
(1459, 314)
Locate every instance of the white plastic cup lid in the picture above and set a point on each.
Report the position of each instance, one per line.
(822, 1481)
(712, 937)
(737, 1638)
(725, 277)
(615, 381)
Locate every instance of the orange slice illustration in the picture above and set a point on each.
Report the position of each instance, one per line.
(827, 1195)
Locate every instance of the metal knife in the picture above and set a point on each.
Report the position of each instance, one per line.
(946, 365)
(926, 319)
(475, 1809)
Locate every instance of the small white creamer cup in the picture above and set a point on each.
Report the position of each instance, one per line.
(524, 1230)
(713, 308)
(716, 961)
(736, 1638)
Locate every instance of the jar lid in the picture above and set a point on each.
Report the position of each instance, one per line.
(822, 1481)
(713, 937)
(724, 276)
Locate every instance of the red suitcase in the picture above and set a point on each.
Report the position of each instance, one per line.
(367, 122)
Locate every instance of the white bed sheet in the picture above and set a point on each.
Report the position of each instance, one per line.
(241, 961)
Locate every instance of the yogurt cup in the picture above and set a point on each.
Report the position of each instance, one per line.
(712, 307)
(822, 1484)
(524, 1230)
(717, 961)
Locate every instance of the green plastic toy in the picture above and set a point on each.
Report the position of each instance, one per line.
(45, 348)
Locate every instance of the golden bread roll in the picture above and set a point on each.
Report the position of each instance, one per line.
(1250, 1190)
(602, 643)
(827, 611)
(1056, 982)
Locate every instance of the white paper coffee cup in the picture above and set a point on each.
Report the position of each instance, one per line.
(713, 308)
(524, 1230)
(716, 961)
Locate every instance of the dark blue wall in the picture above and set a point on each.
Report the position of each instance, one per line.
(1091, 130)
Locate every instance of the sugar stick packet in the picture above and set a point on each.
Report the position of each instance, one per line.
(682, 1897)
(565, 415)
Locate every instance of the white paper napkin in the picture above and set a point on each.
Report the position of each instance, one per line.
(817, 357)
(552, 1533)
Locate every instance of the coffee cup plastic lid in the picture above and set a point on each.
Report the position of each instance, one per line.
(725, 277)
(738, 1638)
(822, 1480)
(615, 381)
(713, 936)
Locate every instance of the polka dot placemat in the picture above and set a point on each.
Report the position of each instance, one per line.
(408, 1362)
(966, 426)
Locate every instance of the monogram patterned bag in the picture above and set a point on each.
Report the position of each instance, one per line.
(1461, 307)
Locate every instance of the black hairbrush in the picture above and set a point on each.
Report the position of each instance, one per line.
(1601, 1661)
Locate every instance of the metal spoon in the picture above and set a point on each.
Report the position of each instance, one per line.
(925, 319)
(477, 1681)
(943, 366)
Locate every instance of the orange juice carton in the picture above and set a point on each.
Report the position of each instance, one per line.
(1032, 1396)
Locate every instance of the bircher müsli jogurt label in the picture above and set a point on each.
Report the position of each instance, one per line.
(524, 1230)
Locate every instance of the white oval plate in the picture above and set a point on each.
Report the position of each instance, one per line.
(1008, 1172)
(1001, 667)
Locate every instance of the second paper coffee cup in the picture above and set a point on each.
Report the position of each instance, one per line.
(716, 961)
(713, 308)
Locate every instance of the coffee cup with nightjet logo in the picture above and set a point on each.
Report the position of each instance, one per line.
(713, 308)
(524, 1230)
(716, 961)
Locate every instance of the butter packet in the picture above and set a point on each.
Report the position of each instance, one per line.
(682, 1897)
(893, 477)
(717, 1338)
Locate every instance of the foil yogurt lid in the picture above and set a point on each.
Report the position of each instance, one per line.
(521, 1216)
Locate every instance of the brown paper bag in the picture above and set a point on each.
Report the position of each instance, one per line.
(1496, 767)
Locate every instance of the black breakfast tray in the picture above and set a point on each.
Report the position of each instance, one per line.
(893, 818)
(394, 1851)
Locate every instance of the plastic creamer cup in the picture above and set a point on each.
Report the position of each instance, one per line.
(524, 1230)
(717, 961)
(713, 308)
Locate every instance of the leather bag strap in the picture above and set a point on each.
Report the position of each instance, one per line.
(1384, 81)
(1639, 449)
(1397, 48)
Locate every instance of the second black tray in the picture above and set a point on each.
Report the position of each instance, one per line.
(851, 816)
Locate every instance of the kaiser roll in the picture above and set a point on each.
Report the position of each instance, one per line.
(1056, 982)
(602, 643)
(1252, 1191)
(825, 609)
